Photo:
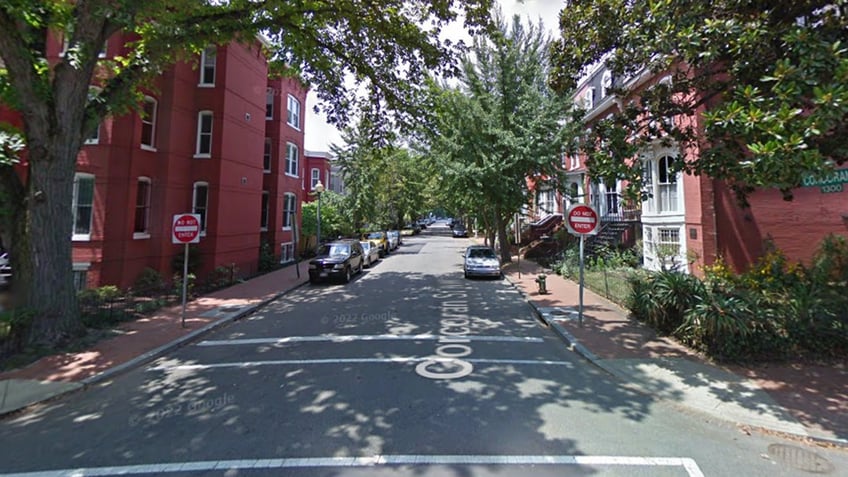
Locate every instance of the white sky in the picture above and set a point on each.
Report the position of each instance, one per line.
(318, 135)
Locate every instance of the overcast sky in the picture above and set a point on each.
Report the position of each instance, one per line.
(319, 135)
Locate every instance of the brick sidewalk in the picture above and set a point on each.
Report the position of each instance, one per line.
(159, 329)
(815, 395)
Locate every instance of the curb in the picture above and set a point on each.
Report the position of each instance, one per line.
(179, 342)
(574, 345)
(156, 352)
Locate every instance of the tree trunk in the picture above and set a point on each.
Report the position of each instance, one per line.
(503, 237)
(42, 250)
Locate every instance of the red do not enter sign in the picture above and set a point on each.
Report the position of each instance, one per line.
(582, 219)
(186, 228)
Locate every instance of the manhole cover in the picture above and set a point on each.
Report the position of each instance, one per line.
(799, 458)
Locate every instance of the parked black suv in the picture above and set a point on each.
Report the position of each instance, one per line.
(338, 259)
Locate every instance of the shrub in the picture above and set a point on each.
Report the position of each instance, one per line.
(267, 260)
(149, 281)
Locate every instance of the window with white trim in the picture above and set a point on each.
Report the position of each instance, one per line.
(289, 210)
(293, 118)
(94, 137)
(292, 160)
(208, 59)
(148, 123)
(316, 178)
(141, 227)
(666, 186)
(204, 134)
(266, 202)
(286, 252)
(83, 205)
(200, 203)
(661, 183)
(606, 84)
(266, 156)
(269, 103)
(80, 271)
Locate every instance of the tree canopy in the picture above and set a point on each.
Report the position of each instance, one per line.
(388, 44)
(769, 84)
(498, 126)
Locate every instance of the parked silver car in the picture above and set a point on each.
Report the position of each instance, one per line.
(394, 239)
(481, 261)
(371, 253)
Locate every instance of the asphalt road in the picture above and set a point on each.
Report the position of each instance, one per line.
(408, 370)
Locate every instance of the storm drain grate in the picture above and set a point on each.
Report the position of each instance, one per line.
(800, 458)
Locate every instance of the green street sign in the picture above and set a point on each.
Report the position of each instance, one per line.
(831, 183)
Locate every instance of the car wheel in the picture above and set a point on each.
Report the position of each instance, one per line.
(313, 281)
(347, 275)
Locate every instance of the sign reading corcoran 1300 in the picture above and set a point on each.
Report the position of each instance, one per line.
(831, 183)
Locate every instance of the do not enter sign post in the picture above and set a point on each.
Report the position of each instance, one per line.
(582, 220)
(186, 230)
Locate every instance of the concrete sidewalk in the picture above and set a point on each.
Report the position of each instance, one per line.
(141, 340)
(803, 400)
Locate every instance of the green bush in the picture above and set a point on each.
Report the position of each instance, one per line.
(775, 310)
(267, 260)
(149, 281)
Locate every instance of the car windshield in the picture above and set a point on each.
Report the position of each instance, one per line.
(335, 249)
(375, 235)
(481, 253)
(365, 245)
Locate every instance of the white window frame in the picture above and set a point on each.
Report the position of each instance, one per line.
(151, 122)
(289, 210)
(265, 211)
(143, 234)
(667, 193)
(286, 252)
(292, 160)
(80, 271)
(75, 205)
(202, 209)
(267, 155)
(293, 115)
(198, 153)
(94, 139)
(207, 64)
(315, 177)
(270, 93)
(606, 83)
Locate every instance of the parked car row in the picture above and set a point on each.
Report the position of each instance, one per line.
(343, 258)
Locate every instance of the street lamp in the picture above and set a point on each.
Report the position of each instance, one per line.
(318, 190)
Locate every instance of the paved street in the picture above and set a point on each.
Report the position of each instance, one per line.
(408, 370)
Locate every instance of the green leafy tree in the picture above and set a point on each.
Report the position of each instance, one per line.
(391, 43)
(336, 218)
(764, 82)
(499, 126)
(385, 181)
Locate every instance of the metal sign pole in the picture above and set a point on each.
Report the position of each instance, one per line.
(296, 244)
(580, 307)
(185, 283)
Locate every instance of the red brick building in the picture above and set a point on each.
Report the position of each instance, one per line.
(691, 221)
(217, 138)
(319, 169)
